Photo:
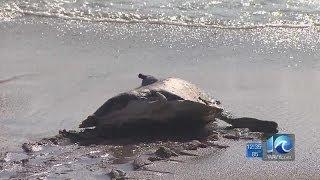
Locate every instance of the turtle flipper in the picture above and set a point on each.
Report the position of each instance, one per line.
(251, 123)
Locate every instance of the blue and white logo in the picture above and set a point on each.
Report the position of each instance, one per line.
(282, 144)
(279, 147)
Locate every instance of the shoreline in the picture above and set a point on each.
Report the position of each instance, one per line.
(267, 74)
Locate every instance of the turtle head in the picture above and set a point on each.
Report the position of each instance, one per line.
(142, 76)
(147, 79)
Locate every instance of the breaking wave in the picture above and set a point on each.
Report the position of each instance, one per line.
(202, 13)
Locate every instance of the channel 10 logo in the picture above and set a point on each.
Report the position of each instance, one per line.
(279, 147)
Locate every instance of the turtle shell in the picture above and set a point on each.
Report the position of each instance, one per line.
(165, 101)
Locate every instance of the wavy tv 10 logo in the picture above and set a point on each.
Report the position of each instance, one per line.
(279, 147)
(282, 144)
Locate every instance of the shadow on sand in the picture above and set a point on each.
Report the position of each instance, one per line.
(132, 134)
(148, 133)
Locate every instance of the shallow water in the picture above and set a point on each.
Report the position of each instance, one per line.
(212, 13)
(69, 68)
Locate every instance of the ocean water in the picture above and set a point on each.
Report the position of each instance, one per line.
(259, 58)
(212, 13)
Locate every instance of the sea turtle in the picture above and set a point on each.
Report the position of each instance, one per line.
(167, 101)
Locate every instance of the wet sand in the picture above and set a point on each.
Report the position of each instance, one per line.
(268, 73)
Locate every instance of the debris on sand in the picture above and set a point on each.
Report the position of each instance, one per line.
(140, 162)
(164, 152)
(195, 144)
(31, 147)
(231, 136)
(117, 174)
